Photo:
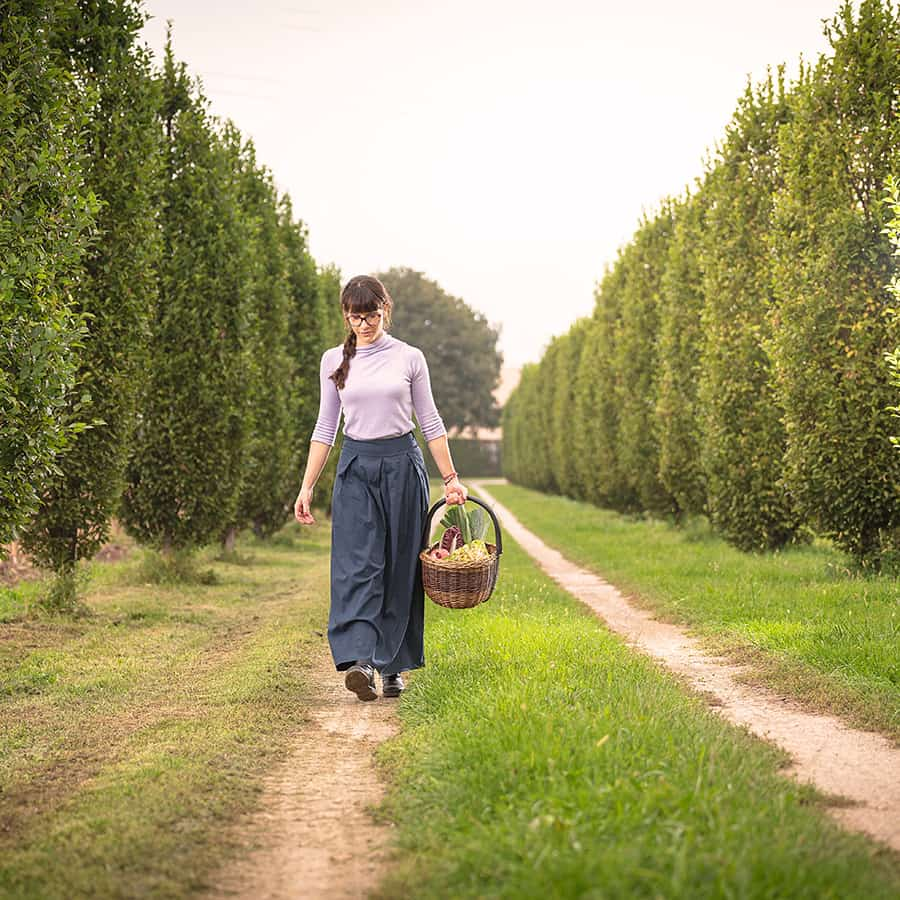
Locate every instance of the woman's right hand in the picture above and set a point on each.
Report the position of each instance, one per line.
(303, 505)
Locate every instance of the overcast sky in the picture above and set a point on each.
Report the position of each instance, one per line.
(504, 148)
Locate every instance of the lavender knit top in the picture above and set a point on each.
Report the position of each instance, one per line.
(388, 379)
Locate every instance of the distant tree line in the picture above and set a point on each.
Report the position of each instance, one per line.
(742, 358)
(159, 306)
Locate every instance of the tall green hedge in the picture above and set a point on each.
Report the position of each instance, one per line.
(584, 402)
(117, 287)
(160, 332)
(512, 444)
(46, 217)
(542, 422)
(328, 290)
(743, 435)
(892, 197)
(680, 342)
(832, 325)
(637, 364)
(308, 335)
(267, 467)
(185, 472)
(519, 429)
(562, 414)
(598, 370)
(743, 357)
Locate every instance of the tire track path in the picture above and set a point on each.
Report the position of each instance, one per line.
(312, 835)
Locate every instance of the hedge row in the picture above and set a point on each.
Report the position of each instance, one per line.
(738, 362)
(157, 304)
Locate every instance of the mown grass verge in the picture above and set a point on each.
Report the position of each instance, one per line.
(540, 758)
(804, 621)
(129, 738)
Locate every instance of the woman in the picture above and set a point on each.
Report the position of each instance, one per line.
(380, 496)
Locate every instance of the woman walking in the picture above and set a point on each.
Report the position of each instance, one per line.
(380, 497)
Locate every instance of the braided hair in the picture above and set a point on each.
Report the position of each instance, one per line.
(362, 294)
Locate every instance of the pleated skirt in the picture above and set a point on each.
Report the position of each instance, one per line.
(379, 506)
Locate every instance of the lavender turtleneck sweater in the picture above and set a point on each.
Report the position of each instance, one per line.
(387, 380)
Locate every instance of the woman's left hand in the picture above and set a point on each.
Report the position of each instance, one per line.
(455, 492)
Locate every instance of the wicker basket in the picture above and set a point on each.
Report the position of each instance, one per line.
(459, 585)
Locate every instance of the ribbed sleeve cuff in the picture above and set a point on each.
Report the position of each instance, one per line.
(319, 434)
(433, 429)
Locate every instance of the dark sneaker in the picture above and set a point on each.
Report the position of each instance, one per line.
(392, 685)
(360, 679)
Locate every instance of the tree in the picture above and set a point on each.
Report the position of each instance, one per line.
(518, 420)
(267, 465)
(563, 413)
(328, 291)
(184, 475)
(457, 342)
(117, 287)
(584, 418)
(542, 440)
(637, 364)
(680, 342)
(46, 220)
(597, 400)
(314, 323)
(832, 327)
(743, 436)
(893, 358)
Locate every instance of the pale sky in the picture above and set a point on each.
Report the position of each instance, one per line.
(504, 148)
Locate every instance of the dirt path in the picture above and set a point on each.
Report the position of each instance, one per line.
(312, 836)
(861, 766)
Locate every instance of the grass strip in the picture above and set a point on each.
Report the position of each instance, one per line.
(806, 624)
(541, 758)
(128, 740)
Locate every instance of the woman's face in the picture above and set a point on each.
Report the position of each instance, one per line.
(367, 326)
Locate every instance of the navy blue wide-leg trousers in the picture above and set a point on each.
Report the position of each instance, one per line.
(379, 506)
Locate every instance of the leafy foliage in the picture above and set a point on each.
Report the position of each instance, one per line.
(185, 473)
(584, 402)
(833, 327)
(472, 523)
(518, 425)
(597, 399)
(116, 291)
(328, 292)
(542, 441)
(563, 411)
(892, 229)
(680, 342)
(743, 358)
(307, 337)
(743, 436)
(46, 219)
(636, 362)
(268, 470)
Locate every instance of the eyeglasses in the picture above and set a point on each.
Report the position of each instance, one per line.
(370, 319)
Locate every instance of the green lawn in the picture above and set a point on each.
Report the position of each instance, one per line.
(540, 758)
(806, 623)
(128, 740)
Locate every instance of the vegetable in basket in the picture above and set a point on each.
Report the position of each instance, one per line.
(463, 538)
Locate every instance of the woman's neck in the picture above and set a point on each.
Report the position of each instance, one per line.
(376, 341)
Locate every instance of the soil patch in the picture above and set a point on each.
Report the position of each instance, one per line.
(312, 834)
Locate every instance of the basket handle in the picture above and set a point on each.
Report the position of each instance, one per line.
(426, 533)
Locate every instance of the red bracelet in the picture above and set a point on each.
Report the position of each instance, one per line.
(450, 477)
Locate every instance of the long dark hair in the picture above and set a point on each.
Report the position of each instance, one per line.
(362, 294)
